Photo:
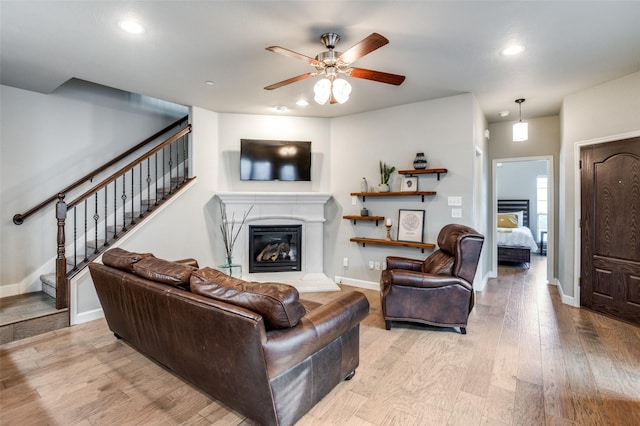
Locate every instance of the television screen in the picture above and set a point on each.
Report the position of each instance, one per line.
(275, 160)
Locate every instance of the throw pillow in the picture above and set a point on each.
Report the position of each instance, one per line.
(278, 304)
(163, 271)
(507, 220)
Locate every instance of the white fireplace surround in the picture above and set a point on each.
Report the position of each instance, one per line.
(283, 208)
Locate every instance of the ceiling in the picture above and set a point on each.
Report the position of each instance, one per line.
(444, 48)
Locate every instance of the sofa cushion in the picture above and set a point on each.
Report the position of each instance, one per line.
(122, 259)
(163, 271)
(278, 304)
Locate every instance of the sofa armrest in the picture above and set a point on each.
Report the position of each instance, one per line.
(423, 280)
(394, 262)
(285, 348)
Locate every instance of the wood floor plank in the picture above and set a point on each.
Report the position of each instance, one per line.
(528, 359)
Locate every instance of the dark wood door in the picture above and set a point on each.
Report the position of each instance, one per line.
(610, 257)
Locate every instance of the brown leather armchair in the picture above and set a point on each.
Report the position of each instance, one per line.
(439, 290)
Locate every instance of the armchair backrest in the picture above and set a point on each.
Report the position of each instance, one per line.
(458, 254)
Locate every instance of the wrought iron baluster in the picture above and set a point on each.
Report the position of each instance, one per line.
(170, 168)
(86, 231)
(96, 216)
(124, 202)
(156, 161)
(106, 229)
(148, 184)
(133, 198)
(184, 158)
(140, 190)
(115, 208)
(75, 237)
(164, 176)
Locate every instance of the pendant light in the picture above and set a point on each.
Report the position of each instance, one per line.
(520, 129)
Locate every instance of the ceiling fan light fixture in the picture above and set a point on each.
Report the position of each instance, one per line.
(322, 91)
(341, 90)
(520, 129)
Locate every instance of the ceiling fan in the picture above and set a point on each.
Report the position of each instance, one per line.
(331, 64)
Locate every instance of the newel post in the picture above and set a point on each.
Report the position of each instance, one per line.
(62, 290)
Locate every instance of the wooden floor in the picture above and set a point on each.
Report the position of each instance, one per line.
(527, 360)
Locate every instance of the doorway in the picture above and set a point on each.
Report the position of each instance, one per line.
(528, 178)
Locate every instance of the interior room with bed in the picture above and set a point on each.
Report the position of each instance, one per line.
(521, 221)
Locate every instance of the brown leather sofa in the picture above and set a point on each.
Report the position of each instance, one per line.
(255, 347)
(439, 290)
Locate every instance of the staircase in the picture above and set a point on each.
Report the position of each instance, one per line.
(93, 221)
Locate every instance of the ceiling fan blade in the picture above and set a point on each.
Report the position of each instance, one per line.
(382, 77)
(292, 54)
(367, 45)
(291, 80)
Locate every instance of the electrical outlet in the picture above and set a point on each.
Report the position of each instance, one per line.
(457, 213)
(371, 264)
(345, 261)
(354, 201)
(454, 201)
(377, 266)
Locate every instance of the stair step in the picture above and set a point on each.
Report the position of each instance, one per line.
(49, 284)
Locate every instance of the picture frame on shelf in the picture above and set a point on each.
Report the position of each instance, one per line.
(411, 225)
(409, 184)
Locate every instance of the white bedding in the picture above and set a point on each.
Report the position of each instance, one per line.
(521, 236)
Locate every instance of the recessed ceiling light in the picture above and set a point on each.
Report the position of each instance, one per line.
(131, 27)
(209, 83)
(281, 108)
(504, 113)
(302, 103)
(512, 50)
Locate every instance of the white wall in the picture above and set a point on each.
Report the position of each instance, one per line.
(234, 127)
(443, 129)
(602, 113)
(48, 141)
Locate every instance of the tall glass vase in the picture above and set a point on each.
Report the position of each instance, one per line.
(230, 268)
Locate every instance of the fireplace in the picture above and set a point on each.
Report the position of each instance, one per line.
(275, 248)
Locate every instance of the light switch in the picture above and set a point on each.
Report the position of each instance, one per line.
(454, 201)
(457, 213)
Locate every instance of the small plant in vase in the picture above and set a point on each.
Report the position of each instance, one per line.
(230, 234)
(385, 174)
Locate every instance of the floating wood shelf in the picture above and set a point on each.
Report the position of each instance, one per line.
(365, 241)
(355, 218)
(393, 194)
(423, 172)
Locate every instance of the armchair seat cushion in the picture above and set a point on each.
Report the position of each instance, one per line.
(421, 280)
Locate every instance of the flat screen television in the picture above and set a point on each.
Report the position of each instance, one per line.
(275, 160)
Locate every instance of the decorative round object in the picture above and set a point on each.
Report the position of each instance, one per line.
(383, 187)
(420, 161)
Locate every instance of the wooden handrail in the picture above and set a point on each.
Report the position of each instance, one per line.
(128, 167)
(19, 218)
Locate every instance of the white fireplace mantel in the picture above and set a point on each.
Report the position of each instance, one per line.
(283, 208)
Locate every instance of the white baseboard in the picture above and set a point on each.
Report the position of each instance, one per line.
(567, 300)
(357, 283)
(87, 316)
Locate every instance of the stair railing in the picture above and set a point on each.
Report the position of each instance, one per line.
(19, 218)
(109, 209)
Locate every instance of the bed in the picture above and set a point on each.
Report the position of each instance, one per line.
(516, 241)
